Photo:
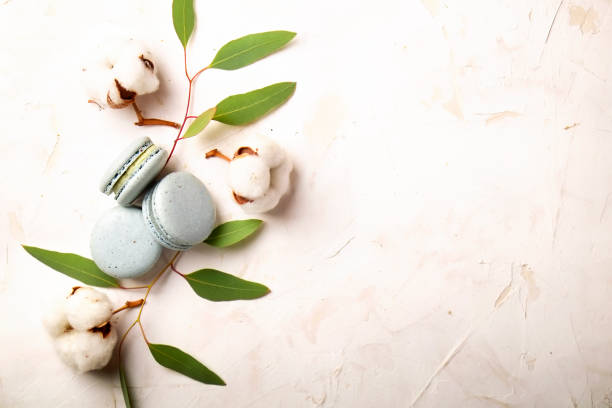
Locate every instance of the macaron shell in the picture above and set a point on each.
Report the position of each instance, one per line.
(122, 162)
(121, 244)
(156, 230)
(179, 211)
(141, 178)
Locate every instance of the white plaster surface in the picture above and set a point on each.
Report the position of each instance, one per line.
(447, 240)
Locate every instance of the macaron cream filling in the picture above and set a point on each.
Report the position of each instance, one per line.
(125, 167)
(135, 166)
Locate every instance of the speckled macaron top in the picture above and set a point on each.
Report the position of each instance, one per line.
(133, 169)
(121, 244)
(179, 211)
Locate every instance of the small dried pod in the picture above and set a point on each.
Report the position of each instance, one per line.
(125, 71)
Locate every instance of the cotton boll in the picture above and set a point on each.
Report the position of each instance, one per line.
(135, 70)
(249, 176)
(259, 174)
(87, 308)
(265, 203)
(270, 152)
(280, 177)
(54, 320)
(123, 70)
(279, 186)
(86, 350)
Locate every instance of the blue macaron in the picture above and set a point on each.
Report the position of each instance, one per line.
(179, 211)
(133, 169)
(121, 244)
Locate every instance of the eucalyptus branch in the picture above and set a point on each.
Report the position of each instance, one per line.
(144, 301)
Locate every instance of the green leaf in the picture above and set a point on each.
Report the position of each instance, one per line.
(75, 266)
(244, 108)
(250, 48)
(183, 18)
(124, 387)
(218, 286)
(199, 123)
(179, 361)
(232, 232)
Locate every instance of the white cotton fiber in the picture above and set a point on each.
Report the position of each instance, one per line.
(54, 320)
(87, 308)
(86, 350)
(249, 176)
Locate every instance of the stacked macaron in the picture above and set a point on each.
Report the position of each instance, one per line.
(130, 173)
(178, 212)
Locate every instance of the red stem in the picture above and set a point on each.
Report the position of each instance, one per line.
(178, 136)
(175, 270)
(187, 116)
(199, 72)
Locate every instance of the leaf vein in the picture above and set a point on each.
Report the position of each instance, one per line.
(222, 286)
(244, 51)
(239, 229)
(253, 104)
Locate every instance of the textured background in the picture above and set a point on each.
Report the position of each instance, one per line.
(447, 240)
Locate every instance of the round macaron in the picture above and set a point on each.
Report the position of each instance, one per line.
(121, 244)
(133, 170)
(179, 211)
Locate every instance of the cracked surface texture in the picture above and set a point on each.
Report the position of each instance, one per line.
(447, 239)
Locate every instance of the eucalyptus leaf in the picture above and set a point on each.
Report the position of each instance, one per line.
(183, 18)
(219, 286)
(250, 48)
(124, 387)
(75, 266)
(232, 232)
(199, 123)
(181, 362)
(244, 108)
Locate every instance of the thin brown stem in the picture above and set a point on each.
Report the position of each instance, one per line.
(217, 153)
(132, 287)
(95, 103)
(143, 301)
(154, 281)
(129, 304)
(124, 336)
(142, 121)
